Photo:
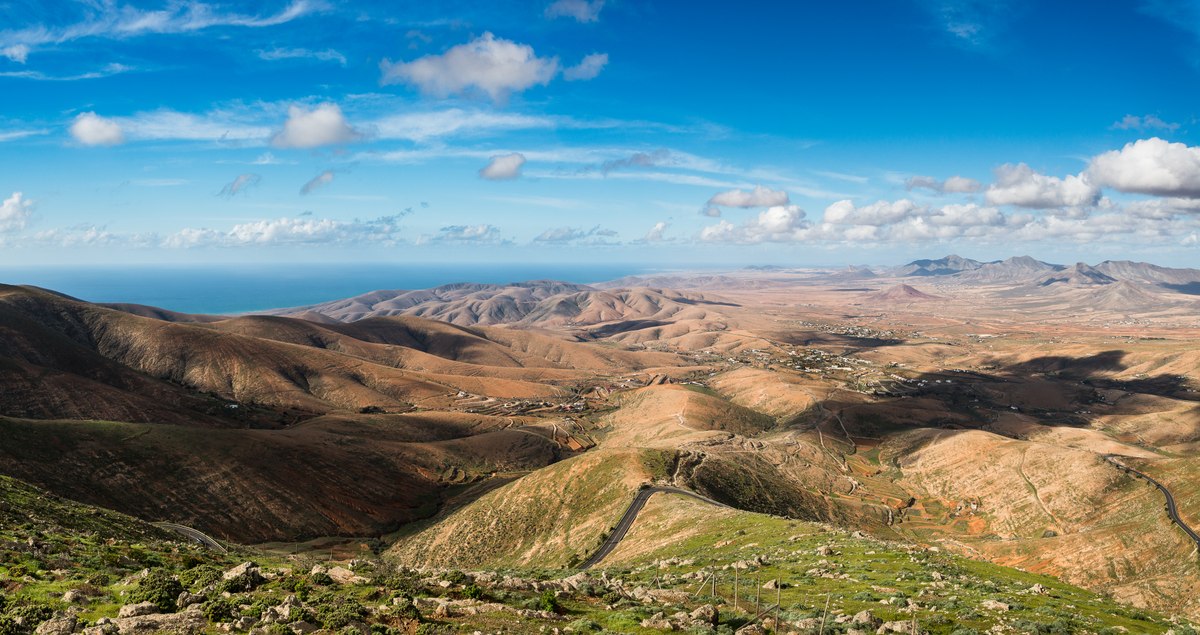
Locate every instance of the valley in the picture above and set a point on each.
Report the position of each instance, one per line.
(945, 414)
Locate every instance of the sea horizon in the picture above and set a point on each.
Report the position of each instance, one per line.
(218, 289)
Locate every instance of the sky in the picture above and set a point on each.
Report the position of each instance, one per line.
(689, 134)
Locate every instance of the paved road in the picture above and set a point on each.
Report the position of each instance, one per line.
(623, 525)
(1172, 512)
(194, 534)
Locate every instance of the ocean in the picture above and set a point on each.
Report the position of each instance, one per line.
(225, 289)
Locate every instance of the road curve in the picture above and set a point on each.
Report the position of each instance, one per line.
(194, 534)
(623, 525)
(1172, 512)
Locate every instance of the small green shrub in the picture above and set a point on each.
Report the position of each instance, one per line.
(219, 609)
(547, 602)
(200, 576)
(335, 611)
(472, 592)
(160, 588)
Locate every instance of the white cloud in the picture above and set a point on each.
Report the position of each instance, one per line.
(781, 223)
(85, 235)
(327, 55)
(952, 185)
(494, 66)
(267, 158)
(589, 68)
(16, 52)
(170, 125)
(758, 197)
(291, 231)
(575, 234)
(111, 20)
(320, 180)
(656, 233)
(13, 135)
(322, 126)
(91, 129)
(15, 212)
(876, 214)
(482, 233)
(108, 70)
(580, 10)
(1150, 166)
(503, 167)
(239, 185)
(1148, 122)
(1020, 185)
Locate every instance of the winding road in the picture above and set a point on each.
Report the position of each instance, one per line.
(1172, 512)
(194, 534)
(631, 514)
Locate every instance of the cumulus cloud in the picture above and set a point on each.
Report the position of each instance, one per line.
(91, 129)
(239, 185)
(15, 212)
(597, 235)
(321, 126)
(587, 69)
(481, 233)
(1141, 124)
(1150, 166)
(952, 185)
(318, 181)
(493, 66)
(780, 223)
(86, 235)
(879, 213)
(291, 231)
(1020, 185)
(758, 197)
(504, 167)
(327, 55)
(579, 10)
(17, 53)
(656, 233)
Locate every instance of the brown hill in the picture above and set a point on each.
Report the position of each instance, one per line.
(900, 293)
(542, 304)
(251, 427)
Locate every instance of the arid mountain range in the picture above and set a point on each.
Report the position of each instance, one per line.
(985, 409)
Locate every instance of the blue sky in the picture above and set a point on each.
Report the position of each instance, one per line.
(670, 133)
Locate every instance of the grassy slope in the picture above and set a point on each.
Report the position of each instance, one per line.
(691, 536)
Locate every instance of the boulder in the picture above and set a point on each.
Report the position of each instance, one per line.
(246, 576)
(707, 614)
(75, 596)
(60, 624)
(993, 605)
(187, 599)
(187, 622)
(342, 575)
(658, 621)
(238, 571)
(866, 618)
